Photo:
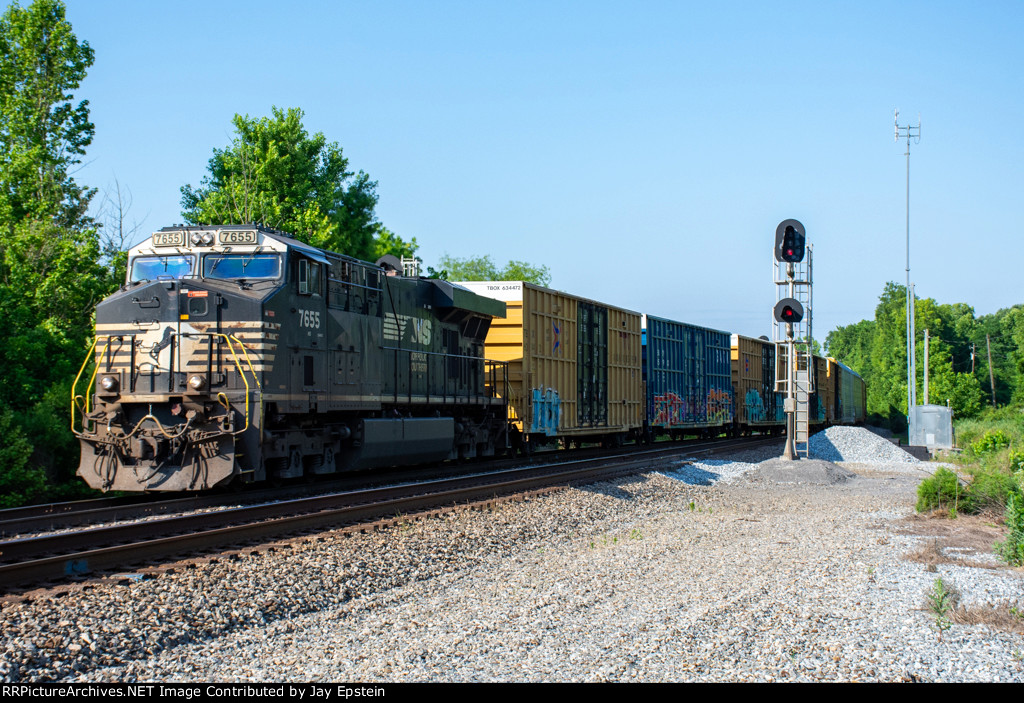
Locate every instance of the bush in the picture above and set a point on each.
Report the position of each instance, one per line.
(991, 441)
(1007, 421)
(1012, 550)
(20, 482)
(1016, 461)
(942, 490)
(992, 489)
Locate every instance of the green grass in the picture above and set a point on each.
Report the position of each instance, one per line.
(989, 476)
(990, 466)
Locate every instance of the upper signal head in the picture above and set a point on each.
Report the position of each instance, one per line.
(790, 239)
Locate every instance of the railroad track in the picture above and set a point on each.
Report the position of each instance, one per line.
(52, 558)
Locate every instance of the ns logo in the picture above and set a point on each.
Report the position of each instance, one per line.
(420, 331)
(413, 330)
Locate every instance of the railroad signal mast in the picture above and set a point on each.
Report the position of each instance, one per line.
(792, 333)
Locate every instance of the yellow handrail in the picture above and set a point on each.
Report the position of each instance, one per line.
(88, 388)
(85, 405)
(238, 365)
(245, 351)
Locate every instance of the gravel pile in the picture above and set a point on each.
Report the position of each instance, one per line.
(856, 444)
(648, 578)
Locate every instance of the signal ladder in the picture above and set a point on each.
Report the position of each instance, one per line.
(803, 392)
(804, 382)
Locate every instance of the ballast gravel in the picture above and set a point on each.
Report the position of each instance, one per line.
(714, 571)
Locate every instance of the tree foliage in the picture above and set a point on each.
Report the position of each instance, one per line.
(50, 276)
(276, 173)
(482, 268)
(876, 349)
(43, 133)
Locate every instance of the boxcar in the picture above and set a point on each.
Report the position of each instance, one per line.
(821, 404)
(850, 393)
(758, 406)
(687, 377)
(574, 365)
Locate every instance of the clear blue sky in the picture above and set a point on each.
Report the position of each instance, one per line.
(643, 151)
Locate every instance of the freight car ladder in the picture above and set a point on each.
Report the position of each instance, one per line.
(803, 412)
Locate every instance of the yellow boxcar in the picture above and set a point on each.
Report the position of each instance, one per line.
(826, 402)
(850, 393)
(757, 403)
(574, 365)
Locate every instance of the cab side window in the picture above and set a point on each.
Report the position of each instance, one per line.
(309, 277)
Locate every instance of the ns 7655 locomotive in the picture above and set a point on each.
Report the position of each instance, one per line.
(240, 353)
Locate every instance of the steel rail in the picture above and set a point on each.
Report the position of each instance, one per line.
(54, 516)
(53, 557)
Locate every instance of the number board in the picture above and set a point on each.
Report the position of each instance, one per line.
(238, 237)
(168, 239)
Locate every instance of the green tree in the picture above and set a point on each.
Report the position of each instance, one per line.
(876, 349)
(482, 268)
(43, 133)
(276, 173)
(387, 242)
(852, 345)
(1003, 331)
(49, 276)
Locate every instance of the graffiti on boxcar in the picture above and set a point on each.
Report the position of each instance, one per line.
(669, 409)
(719, 406)
(755, 406)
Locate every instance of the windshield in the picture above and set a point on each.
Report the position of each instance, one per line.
(151, 268)
(248, 266)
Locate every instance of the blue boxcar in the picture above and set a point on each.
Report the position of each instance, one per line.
(687, 376)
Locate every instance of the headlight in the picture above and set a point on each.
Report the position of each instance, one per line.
(196, 238)
(207, 238)
(109, 384)
(197, 383)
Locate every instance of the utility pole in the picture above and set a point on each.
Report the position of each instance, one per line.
(991, 376)
(909, 132)
(926, 367)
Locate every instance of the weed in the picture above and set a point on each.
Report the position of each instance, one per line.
(992, 488)
(940, 601)
(635, 534)
(1012, 548)
(1002, 616)
(1016, 460)
(871, 574)
(691, 506)
(991, 441)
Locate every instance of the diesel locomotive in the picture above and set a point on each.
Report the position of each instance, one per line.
(238, 353)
